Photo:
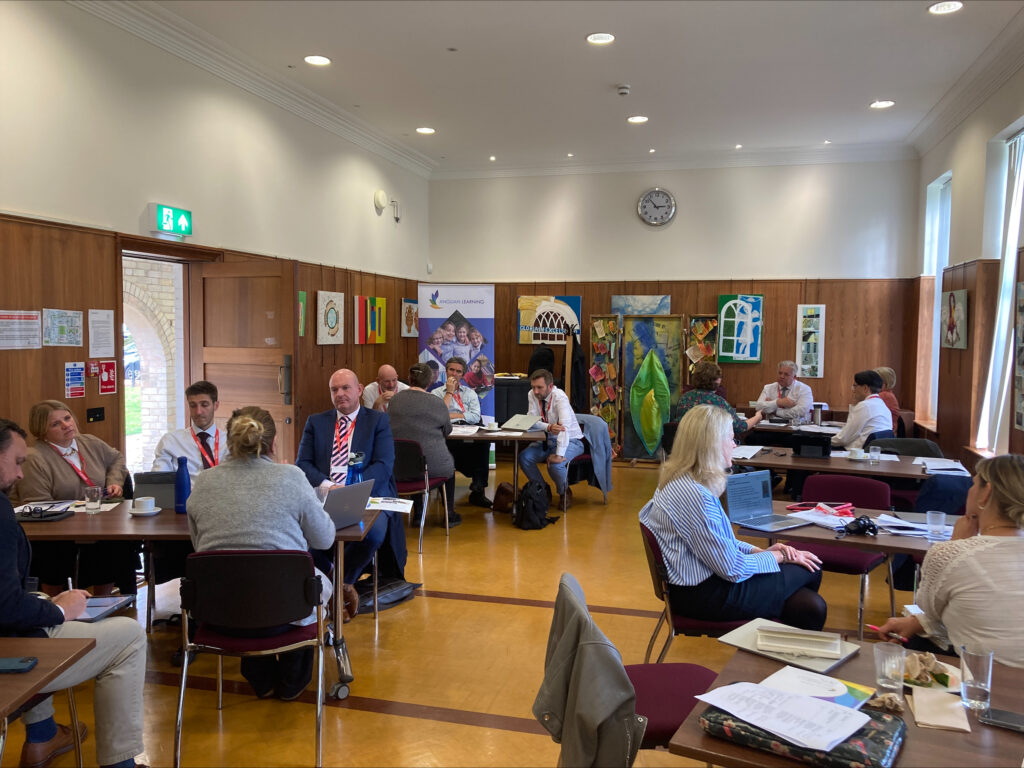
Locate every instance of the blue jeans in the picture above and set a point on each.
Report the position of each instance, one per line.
(537, 453)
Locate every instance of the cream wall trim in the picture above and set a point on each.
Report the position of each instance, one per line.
(173, 34)
(1000, 61)
(861, 153)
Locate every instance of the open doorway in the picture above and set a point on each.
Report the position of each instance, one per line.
(154, 355)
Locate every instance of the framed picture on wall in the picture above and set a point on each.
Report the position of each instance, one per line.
(954, 319)
(810, 340)
(330, 317)
(740, 322)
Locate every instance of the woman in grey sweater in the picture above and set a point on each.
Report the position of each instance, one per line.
(416, 414)
(249, 502)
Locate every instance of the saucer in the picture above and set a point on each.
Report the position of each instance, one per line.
(858, 458)
(144, 512)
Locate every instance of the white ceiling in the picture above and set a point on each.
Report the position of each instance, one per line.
(523, 85)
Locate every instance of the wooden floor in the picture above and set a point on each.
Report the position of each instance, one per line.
(448, 678)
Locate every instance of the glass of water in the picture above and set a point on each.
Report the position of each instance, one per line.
(889, 660)
(874, 454)
(975, 677)
(936, 521)
(93, 499)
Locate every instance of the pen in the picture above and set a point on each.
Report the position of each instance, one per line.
(70, 585)
(893, 635)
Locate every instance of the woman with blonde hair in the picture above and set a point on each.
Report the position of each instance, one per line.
(887, 395)
(972, 587)
(250, 502)
(712, 575)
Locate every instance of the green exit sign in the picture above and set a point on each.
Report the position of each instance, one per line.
(169, 220)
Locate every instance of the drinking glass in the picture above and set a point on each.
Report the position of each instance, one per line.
(975, 677)
(93, 497)
(936, 521)
(874, 454)
(889, 659)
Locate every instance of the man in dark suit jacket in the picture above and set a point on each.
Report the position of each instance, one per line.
(364, 431)
(117, 662)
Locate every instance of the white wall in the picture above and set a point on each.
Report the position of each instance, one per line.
(976, 194)
(856, 220)
(95, 123)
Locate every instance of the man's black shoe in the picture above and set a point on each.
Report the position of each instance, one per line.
(478, 499)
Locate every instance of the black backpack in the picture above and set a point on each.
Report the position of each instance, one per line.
(531, 511)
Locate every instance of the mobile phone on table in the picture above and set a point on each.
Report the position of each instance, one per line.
(15, 664)
(1003, 719)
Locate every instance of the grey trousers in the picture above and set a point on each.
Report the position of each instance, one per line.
(118, 665)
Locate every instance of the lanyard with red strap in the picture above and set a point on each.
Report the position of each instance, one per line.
(80, 472)
(214, 460)
(338, 439)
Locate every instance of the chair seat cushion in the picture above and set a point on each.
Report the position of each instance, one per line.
(665, 695)
(581, 458)
(844, 559)
(233, 644)
(416, 486)
(683, 625)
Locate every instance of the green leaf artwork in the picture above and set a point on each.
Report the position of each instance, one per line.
(650, 402)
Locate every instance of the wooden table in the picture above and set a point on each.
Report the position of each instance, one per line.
(903, 468)
(984, 745)
(482, 435)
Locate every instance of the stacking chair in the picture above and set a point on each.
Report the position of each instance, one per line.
(412, 476)
(643, 704)
(34, 701)
(879, 435)
(861, 492)
(247, 591)
(677, 625)
(904, 492)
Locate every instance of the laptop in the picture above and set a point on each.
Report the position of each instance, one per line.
(748, 502)
(346, 505)
(520, 423)
(97, 608)
(159, 485)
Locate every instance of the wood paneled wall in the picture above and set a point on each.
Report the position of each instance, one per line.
(963, 372)
(53, 266)
(1016, 436)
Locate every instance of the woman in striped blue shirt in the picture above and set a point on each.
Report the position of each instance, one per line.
(712, 575)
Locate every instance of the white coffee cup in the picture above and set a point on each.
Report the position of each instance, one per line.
(144, 504)
(856, 453)
(491, 426)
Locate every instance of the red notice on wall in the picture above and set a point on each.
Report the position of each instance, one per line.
(108, 377)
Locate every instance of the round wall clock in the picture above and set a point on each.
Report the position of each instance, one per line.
(656, 207)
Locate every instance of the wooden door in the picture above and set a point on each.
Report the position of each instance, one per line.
(242, 339)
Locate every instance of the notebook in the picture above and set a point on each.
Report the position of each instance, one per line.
(159, 485)
(520, 423)
(748, 502)
(346, 505)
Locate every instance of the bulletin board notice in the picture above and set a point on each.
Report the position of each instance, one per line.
(20, 329)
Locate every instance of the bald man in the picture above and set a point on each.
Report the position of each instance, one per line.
(378, 394)
(330, 441)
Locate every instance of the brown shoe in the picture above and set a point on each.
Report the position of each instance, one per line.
(40, 754)
(350, 601)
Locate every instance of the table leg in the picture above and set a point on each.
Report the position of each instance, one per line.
(150, 590)
(515, 473)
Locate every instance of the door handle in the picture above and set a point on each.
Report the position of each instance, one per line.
(284, 380)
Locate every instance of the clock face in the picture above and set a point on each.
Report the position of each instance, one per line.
(656, 207)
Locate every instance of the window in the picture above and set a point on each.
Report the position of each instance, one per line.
(936, 258)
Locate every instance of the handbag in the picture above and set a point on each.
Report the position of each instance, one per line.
(874, 745)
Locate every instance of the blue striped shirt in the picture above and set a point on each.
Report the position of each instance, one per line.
(696, 538)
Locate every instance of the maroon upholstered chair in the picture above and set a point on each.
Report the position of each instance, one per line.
(412, 477)
(678, 625)
(862, 492)
(244, 591)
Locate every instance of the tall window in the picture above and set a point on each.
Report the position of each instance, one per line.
(938, 203)
(993, 431)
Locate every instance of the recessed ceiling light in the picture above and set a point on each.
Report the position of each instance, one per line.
(651, 150)
(425, 130)
(636, 119)
(600, 38)
(882, 103)
(827, 141)
(317, 61)
(492, 158)
(948, 6)
(738, 146)
(570, 154)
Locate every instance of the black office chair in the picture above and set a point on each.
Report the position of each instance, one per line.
(879, 435)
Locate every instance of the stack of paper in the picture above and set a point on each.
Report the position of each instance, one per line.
(464, 430)
(822, 687)
(898, 527)
(746, 451)
(801, 720)
(799, 642)
(389, 504)
(824, 516)
(942, 466)
(823, 429)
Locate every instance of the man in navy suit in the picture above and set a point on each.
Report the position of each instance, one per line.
(329, 440)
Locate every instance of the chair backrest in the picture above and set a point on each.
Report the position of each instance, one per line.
(859, 491)
(909, 446)
(668, 435)
(882, 433)
(947, 493)
(410, 463)
(655, 562)
(250, 589)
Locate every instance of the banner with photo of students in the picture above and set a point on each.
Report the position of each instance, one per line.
(458, 321)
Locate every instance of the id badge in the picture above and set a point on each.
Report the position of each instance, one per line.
(338, 469)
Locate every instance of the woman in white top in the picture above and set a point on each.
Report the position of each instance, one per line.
(972, 587)
(868, 415)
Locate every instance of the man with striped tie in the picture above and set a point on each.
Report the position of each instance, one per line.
(330, 441)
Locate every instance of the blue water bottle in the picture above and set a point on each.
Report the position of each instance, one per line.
(356, 465)
(182, 485)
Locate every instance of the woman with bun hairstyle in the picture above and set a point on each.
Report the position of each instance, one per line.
(250, 502)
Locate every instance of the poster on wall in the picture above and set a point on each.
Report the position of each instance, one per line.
(810, 340)
(108, 377)
(641, 305)
(458, 321)
(702, 342)
(370, 319)
(1018, 359)
(74, 380)
(543, 319)
(652, 369)
(330, 317)
(410, 318)
(62, 328)
(739, 328)
(20, 329)
(954, 319)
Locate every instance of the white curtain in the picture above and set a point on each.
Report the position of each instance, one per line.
(993, 429)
